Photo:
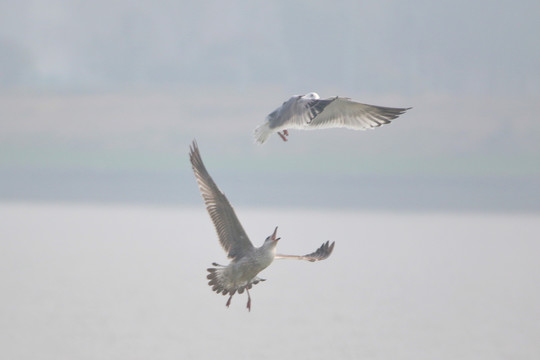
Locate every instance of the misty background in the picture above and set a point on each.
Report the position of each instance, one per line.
(104, 237)
(99, 102)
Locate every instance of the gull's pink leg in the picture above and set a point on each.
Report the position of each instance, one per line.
(229, 301)
(282, 137)
(286, 132)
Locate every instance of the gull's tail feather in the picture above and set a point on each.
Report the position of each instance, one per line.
(262, 132)
(216, 281)
(219, 282)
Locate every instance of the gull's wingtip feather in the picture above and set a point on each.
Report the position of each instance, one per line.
(193, 147)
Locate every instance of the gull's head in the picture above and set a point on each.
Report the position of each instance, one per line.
(311, 96)
(272, 239)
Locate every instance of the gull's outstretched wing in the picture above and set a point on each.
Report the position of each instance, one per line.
(298, 112)
(320, 254)
(232, 236)
(342, 112)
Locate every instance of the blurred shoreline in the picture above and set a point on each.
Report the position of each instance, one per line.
(178, 188)
(132, 147)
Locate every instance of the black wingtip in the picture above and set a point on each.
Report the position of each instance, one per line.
(331, 248)
(194, 147)
(322, 253)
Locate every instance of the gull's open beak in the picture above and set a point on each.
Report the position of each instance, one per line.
(274, 235)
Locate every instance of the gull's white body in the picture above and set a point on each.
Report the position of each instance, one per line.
(309, 112)
(241, 273)
(246, 260)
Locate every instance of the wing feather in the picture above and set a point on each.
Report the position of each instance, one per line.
(299, 113)
(342, 112)
(232, 236)
(322, 253)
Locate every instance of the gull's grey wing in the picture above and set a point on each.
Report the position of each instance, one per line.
(320, 254)
(292, 111)
(342, 112)
(232, 236)
(297, 112)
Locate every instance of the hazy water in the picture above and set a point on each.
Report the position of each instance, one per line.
(104, 282)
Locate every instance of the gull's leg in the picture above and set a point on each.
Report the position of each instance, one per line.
(249, 300)
(282, 136)
(229, 301)
(286, 132)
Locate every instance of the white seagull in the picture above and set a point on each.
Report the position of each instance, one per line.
(310, 112)
(246, 260)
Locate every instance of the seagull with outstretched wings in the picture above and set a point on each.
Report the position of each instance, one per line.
(246, 260)
(310, 112)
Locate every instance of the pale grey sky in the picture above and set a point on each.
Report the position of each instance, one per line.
(92, 93)
(412, 47)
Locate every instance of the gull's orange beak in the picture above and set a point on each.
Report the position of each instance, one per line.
(274, 235)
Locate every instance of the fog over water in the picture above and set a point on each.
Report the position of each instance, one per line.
(133, 148)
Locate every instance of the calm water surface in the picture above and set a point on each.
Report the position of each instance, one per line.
(119, 282)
